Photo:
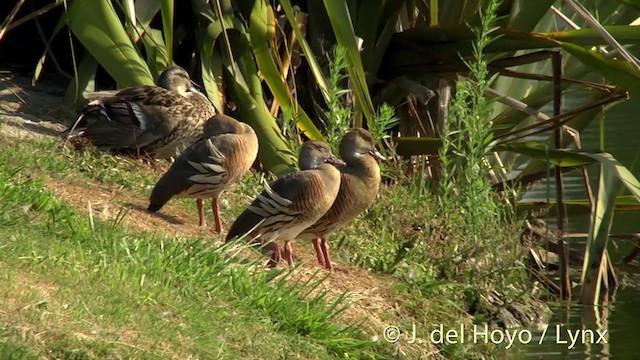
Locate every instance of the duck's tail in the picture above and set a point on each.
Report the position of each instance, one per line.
(81, 123)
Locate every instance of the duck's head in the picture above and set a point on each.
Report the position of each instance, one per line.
(315, 153)
(359, 144)
(176, 79)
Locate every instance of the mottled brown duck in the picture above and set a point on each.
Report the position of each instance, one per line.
(160, 121)
(224, 153)
(291, 203)
(359, 184)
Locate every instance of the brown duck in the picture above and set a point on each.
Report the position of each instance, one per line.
(160, 121)
(225, 152)
(359, 184)
(292, 203)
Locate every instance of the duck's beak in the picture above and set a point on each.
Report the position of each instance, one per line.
(376, 154)
(335, 161)
(193, 87)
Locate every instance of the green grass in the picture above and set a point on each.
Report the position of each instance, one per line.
(54, 158)
(88, 291)
(115, 291)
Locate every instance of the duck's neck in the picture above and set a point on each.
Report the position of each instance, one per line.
(365, 166)
(330, 173)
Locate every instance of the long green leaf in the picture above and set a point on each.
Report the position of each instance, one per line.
(85, 80)
(97, 26)
(622, 173)
(245, 64)
(306, 49)
(259, 31)
(600, 225)
(211, 66)
(617, 71)
(529, 14)
(537, 150)
(340, 19)
(167, 27)
(155, 50)
(146, 10)
(432, 10)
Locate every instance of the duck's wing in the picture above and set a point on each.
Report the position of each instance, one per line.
(132, 118)
(279, 205)
(198, 172)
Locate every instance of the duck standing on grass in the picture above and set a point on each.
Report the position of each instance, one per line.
(292, 203)
(224, 153)
(359, 184)
(157, 120)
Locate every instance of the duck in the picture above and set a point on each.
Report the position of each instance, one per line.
(359, 185)
(160, 121)
(291, 203)
(225, 152)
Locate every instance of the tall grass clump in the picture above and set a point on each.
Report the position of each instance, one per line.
(385, 120)
(465, 190)
(337, 115)
(478, 237)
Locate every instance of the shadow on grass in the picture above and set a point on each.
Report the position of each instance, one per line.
(166, 217)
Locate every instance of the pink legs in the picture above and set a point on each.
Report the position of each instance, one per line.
(320, 245)
(215, 208)
(325, 253)
(200, 204)
(322, 252)
(319, 254)
(288, 252)
(273, 251)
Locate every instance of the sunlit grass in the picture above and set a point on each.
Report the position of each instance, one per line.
(79, 290)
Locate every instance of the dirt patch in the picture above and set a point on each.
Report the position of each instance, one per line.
(27, 111)
(107, 202)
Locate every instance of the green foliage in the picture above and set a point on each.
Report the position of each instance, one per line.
(338, 115)
(393, 50)
(403, 236)
(383, 122)
(467, 142)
